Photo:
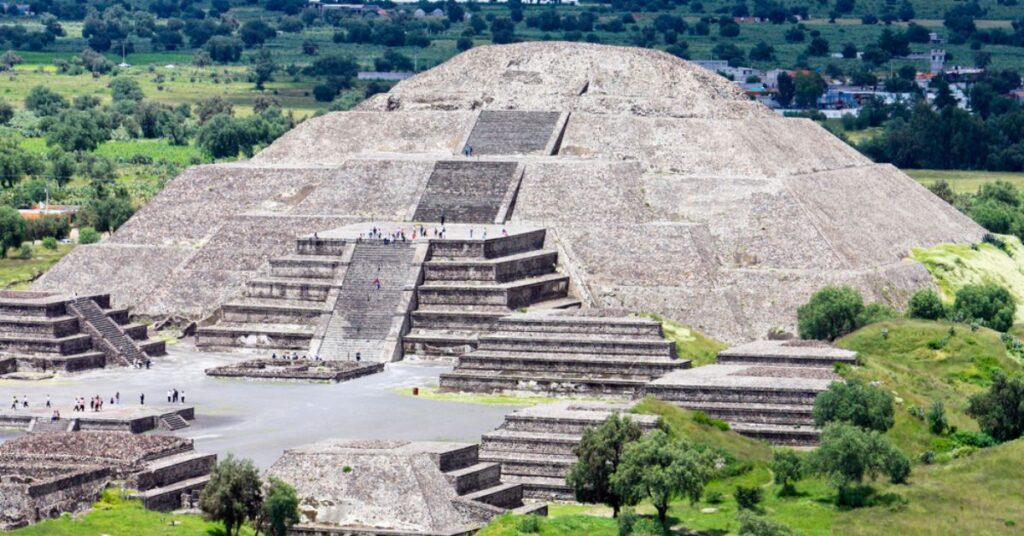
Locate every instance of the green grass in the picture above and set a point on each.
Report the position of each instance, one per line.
(432, 393)
(18, 273)
(964, 181)
(954, 265)
(690, 343)
(917, 375)
(562, 525)
(681, 423)
(114, 515)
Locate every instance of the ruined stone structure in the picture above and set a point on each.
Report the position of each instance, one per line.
(535, 445)
(661, 187)
(115, 418)
(287, 369)
(45, 475)
(368, 487)
(46, 332)
(764, 389)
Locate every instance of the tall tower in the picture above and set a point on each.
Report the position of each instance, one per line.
(937, 60)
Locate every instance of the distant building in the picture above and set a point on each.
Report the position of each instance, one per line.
(736, 74)
(43, 210)
(937, 61)
(18, 10)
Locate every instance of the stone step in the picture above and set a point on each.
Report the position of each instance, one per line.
(173, 421)
(38, 344)
(136, 332)
(532, 509)
(289, 288)
(175, 468)
(684, 394)
(305, 266)
(474, 478)
(268, 336)
(786, 414)
(570, 423)
(505, 495)
(50, 362)
(270, 311)
(439, 343)
(48, 326)
(457, 320)
(556, 363)
(491, 248)
(582, 325)
(584, 344)
(465, 191)
(783, 361)
(527, 464)
(500, 132)
(554, 384)
(556, 304)
(519, 293)
(543, 488)
(529, 442)
(166, 498)
(497, 270)
(796, 436)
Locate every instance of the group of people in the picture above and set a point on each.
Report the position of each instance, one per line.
(139, 364)
(95, 403)
(294, 356)
(388, 237)
(174, 396)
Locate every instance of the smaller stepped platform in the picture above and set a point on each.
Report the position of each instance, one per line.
(396, 487)
(301, 369)
(127, 417)
(44, 333)
(535, 445)
(763, 390)
(46, 475)
(566, 354)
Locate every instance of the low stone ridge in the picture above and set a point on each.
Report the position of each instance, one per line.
(45, 475)
(302, 369)
(566, 355)
(394, 487)
(666, 191)
(49, 332)
(764, 389)
(535, 445)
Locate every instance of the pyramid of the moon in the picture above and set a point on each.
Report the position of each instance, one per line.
(663, 188)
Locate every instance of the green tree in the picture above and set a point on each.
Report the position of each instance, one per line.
(831, 313)
(207, 108)
(280, 508)
(12, 230)
(223, 49)
(106, 215)
(78, 130)
(937, 418)
(762, 52)
(808, 86)
(599, 455)
(125, 89)
(88, 235)
(785, 90)
(925, 304)
(856, 403)
(262, 69)
(787, 470)
(660, 469)
(233, 494)
(847, 453)
(1000, 410)
(988, 303)
(44, 101)
(16, 163)
(221, 137)
(6, 112)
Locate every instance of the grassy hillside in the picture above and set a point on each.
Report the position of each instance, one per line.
(955, 265)
(690, 343)
(963, 181)
(920, 362)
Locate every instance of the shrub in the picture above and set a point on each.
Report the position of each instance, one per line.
(88, 235)
(25, 251)
(54, 226)
(988, 303)
(928, 457)
(627, 518)
(529, 525)
(876, 312)
(979, 440)
(937, 418)
(50, 243)
(847, 453)
(831, 313)
(748, 498)
(324, 92)
(700, 417)
(754, 525)
(1000, 410)
(856, 403)
(925, 304)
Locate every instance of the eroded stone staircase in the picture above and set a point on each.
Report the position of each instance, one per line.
(506, 132)
(467, 191)
(112, 341)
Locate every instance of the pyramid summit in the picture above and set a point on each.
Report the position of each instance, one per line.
(661, 187)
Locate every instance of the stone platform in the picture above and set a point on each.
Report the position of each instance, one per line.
(371, 487)
(764, 389)
(129, 417)
(535, 445)
(302, 369)
(45, 475)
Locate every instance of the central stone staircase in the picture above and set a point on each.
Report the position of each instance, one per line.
(466, 191)
(367, 320)
(500, 132)
(105, 333)
(535, 445)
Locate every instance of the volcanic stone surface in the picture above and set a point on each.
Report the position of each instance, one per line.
(664, 189)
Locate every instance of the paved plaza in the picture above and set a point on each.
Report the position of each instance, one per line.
(260, 419)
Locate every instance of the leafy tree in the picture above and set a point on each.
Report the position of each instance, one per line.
(88, 235)
(6, 112)
(221, 137)
(464, 43)
(1000, 410)
(728, 52)
(256, 32)
(12, 230)
(786, 90)
(988, 303)
(224, 49)
(831, 313)
(107, 214)
(125, 89)
(788, 469)
(233, 494)
(324, 92)
(659, 468)
(847, 453)
(937, 418)
(748, 497)
(808, 87)
(262, 69)
(50, 243)
(15, 162)
(280, 508)
(44, 101)
(207, 108)
(925, 304)
(818, 47)
(849, 51)
(856, 403)
(78, 130)
(762, 52)
(599, 455)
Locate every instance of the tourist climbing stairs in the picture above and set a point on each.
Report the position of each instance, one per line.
(371, 304)
(106, 334)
